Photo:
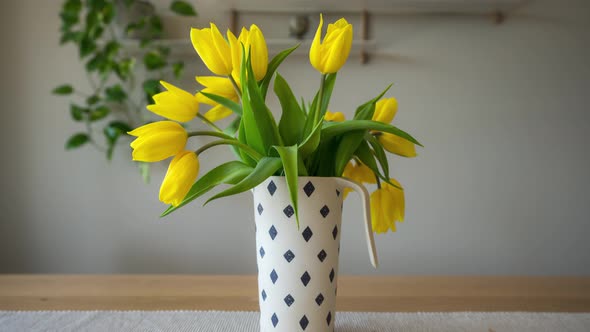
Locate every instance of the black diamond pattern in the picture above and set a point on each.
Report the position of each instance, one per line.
(275, 320)
(309, 189)
(303, 322)
(263, 295)
(307, 233)
(319, 299)
(288, 211)
(322, 255)
(289, 255)
(274, 276)
(289, 300)
(272, 187)
(335, 232)
(305, 278)
(325, 211)
(262, 252)
(337, 192)
(331, 275)
(329, 318)
(273, 232)
(260, 209)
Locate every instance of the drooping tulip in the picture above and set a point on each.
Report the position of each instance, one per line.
(157, 141)
(220, 86)
(358, 172)
(181, 175)
(385, 111)
(213, 49)
(175, 104)
(329, 55)
(387, 207)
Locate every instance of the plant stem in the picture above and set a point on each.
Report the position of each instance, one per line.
(235, 84)
(209, 133)
(317, 114)
(208, 122)
(257, 156)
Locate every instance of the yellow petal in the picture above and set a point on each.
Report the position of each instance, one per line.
(259, 52)
(158, 141)
(181, 175)
(336, 116)
(213, 49)
(220, 86)
(236, 52)
(337, 49)
(385, 110)
(315, 56)
(217, 113)
(377, 218)
(397, 145)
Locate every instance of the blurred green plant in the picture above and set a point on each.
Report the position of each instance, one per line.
(115, 105)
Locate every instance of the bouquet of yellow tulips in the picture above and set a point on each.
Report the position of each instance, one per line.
(308, 140)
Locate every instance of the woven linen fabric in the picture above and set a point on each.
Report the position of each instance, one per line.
(214, 321)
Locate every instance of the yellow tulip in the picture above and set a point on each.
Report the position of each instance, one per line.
(157, 141)
(175, 104)
(385, 111)
(358, 172)
(329, 55)
(335, 117)
(397, 145)
(213, 49)
(254, 41)
(220, 86)
(181, 175)
(387, 207)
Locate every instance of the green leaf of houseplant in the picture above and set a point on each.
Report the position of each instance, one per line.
(338, 128)
(76, 140)
(228, 173)
(112, 132)
(63, 90)
(154, 60)
(272, 67)
(266, 167)
(293, 118)
(289, 158)
(182, 8)
(115, 93)
(78, 113)
(99, 113)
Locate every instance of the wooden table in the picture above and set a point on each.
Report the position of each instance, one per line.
(355, 293)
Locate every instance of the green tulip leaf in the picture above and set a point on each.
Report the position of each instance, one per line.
(338, 128)
(265, 168)
(272, 67)
(289, 158)
(230, 104)
(229, 173)
(379, 153)
(293, 118)
(346, 148)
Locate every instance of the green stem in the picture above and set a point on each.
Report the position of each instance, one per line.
(257, 156)
(209, 133)
(317, 114)
(235, 84)
(208, 122)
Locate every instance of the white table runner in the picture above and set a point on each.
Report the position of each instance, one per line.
(217, 321)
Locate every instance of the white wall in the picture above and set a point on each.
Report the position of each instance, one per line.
(501, 187)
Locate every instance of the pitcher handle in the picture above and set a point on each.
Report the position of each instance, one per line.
(362, 191)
